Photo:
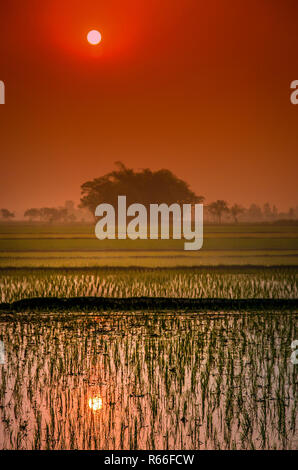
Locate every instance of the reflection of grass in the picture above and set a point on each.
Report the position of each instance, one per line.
(167, 382)
(198, 283)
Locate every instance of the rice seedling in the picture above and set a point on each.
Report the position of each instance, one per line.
(188, 283)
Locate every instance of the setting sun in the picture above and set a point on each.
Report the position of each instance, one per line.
(94, 37)
(95, 403)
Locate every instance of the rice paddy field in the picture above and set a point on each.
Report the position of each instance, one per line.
(218, 282)
(142, 379)
(75, 245)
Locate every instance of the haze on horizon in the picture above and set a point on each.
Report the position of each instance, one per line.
(201, 89)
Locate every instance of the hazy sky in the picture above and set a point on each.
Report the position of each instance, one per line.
(199, 87)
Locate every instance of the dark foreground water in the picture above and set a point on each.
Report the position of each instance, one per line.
(148, 381)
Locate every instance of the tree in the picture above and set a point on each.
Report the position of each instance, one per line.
(255, 212)
(71, 218)
(217, 209)
(6, 214)
(274, 212)
(70, 214)
(61, 214)
(32, 213)
(144, 187)
(53, 214)
(235, 211)
(267, 211)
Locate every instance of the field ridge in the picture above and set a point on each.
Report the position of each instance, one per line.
(146, 303)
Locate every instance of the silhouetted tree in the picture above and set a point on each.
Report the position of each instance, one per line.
(53, 214)
(32, 213)
(267, 211)
(217, 209)
(6, 214)
(235, 211)
(274, 212)
(144, 187)
(71, 218)
(255, 212)
(70, 215)
(62, 214)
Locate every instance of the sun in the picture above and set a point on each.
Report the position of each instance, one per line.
(95, 403)
(94, 37)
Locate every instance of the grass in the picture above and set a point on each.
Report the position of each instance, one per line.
(89, 244)
(233, 283)
(146, 259)
(88, 228)
(33, 245)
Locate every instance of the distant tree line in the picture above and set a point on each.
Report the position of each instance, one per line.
(5, 214)
(220, 210)
(50, 214)
(148, 187)
(66, 214)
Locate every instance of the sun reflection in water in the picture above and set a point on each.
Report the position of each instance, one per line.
(95, 403)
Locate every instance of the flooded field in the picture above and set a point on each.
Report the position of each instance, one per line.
(148, 381)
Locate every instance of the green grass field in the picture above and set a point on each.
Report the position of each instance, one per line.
(75, 245)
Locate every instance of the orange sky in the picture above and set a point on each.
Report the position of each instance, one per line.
(201, 88)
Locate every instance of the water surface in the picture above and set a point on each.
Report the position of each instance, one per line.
(148, 381)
